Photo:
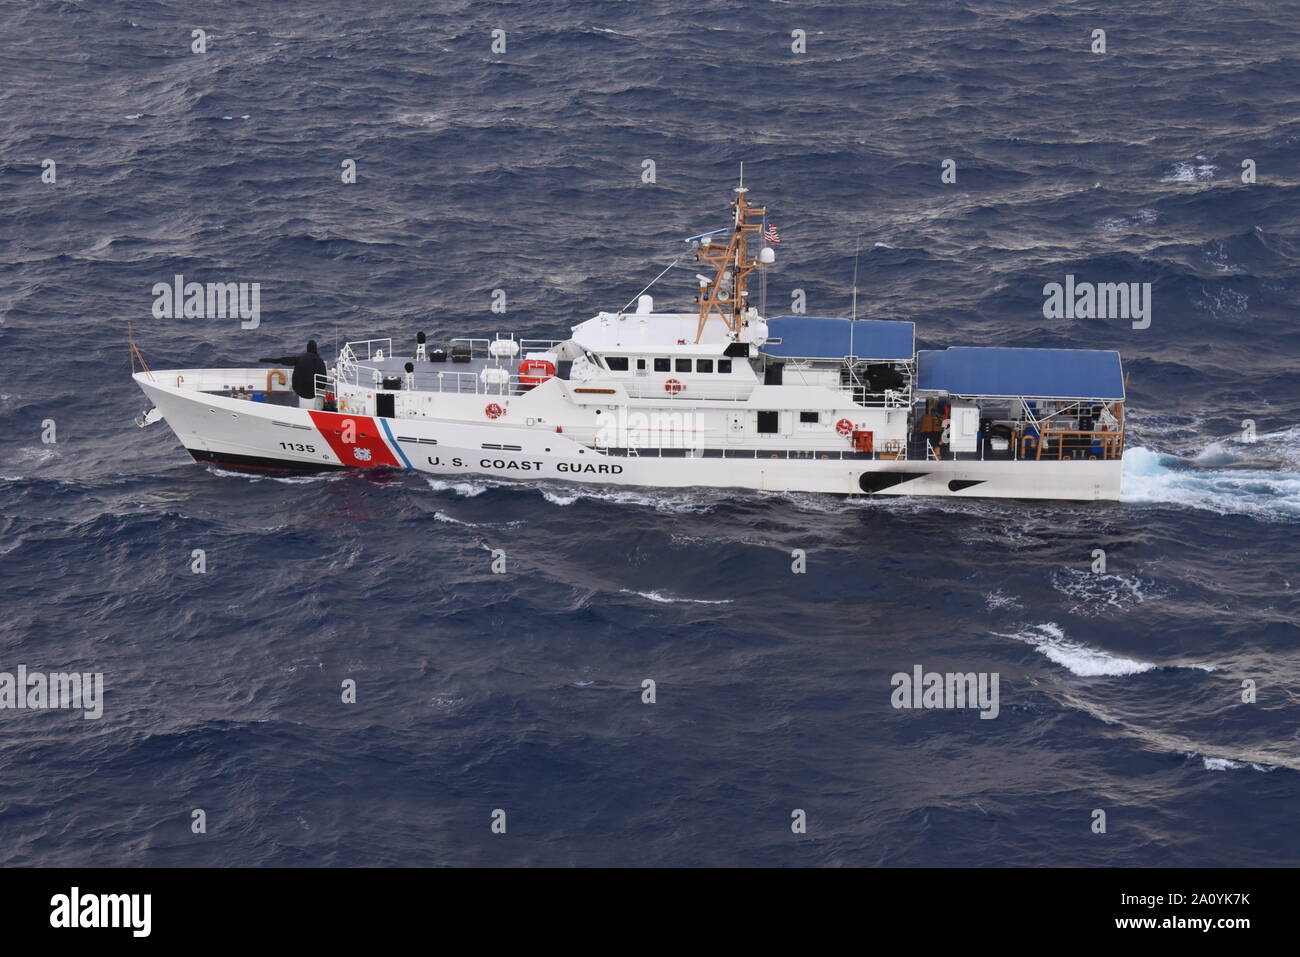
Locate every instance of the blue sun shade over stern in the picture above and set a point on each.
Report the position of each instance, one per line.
(1027, 373)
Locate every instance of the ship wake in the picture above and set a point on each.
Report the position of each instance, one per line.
(1261, 479)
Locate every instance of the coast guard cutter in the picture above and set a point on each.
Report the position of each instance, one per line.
(719, 396)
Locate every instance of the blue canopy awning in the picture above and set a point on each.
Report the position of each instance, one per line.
(814, 337)
(1027, 373)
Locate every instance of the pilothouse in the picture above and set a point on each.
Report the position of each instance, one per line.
(718, 396)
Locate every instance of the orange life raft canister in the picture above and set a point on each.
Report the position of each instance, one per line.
(535, 371)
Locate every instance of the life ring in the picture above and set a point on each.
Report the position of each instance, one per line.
(844, 427)
(673, 386)
(494, 411)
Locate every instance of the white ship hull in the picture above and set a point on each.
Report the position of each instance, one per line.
(239, 434)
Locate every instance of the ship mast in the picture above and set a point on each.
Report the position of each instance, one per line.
(725, 295)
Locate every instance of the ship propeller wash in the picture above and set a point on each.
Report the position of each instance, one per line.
(718, 397)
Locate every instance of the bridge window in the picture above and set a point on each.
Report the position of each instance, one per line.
(661, 365)
(640, 365)
(616, 363)
(724, 366)
(683, 365)
(813, 417)
(703, 365)
(769, 422)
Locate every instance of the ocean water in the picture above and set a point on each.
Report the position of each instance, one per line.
(521, 171)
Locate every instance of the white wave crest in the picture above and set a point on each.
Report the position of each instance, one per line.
(282, 479)
(1199, 171)
(36, 455)
(1267, 494)
(1049, 639)
(669, 600)
(1277, 450)
(466, 489)
(677, 501)
(996, 599)
(1227, 764)
(442, 517)
(1095, 593)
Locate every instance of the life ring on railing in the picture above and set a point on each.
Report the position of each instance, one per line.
(844, 427)
(494, 411)
(272, 374)
(673, 386)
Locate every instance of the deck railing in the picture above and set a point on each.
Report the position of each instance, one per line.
(357, 376)
(363, 350)
(1054, 443)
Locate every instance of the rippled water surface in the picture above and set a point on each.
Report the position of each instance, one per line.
(1119, 691)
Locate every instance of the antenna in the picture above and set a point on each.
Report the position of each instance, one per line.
(857, 249)
(651, 283)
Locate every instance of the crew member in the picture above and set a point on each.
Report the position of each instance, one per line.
(306, 368)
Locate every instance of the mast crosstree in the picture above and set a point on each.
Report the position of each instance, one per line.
(725, 296)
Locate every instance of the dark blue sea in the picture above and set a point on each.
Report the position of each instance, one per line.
(522, 170)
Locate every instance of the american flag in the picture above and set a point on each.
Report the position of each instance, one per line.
(770, 235)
